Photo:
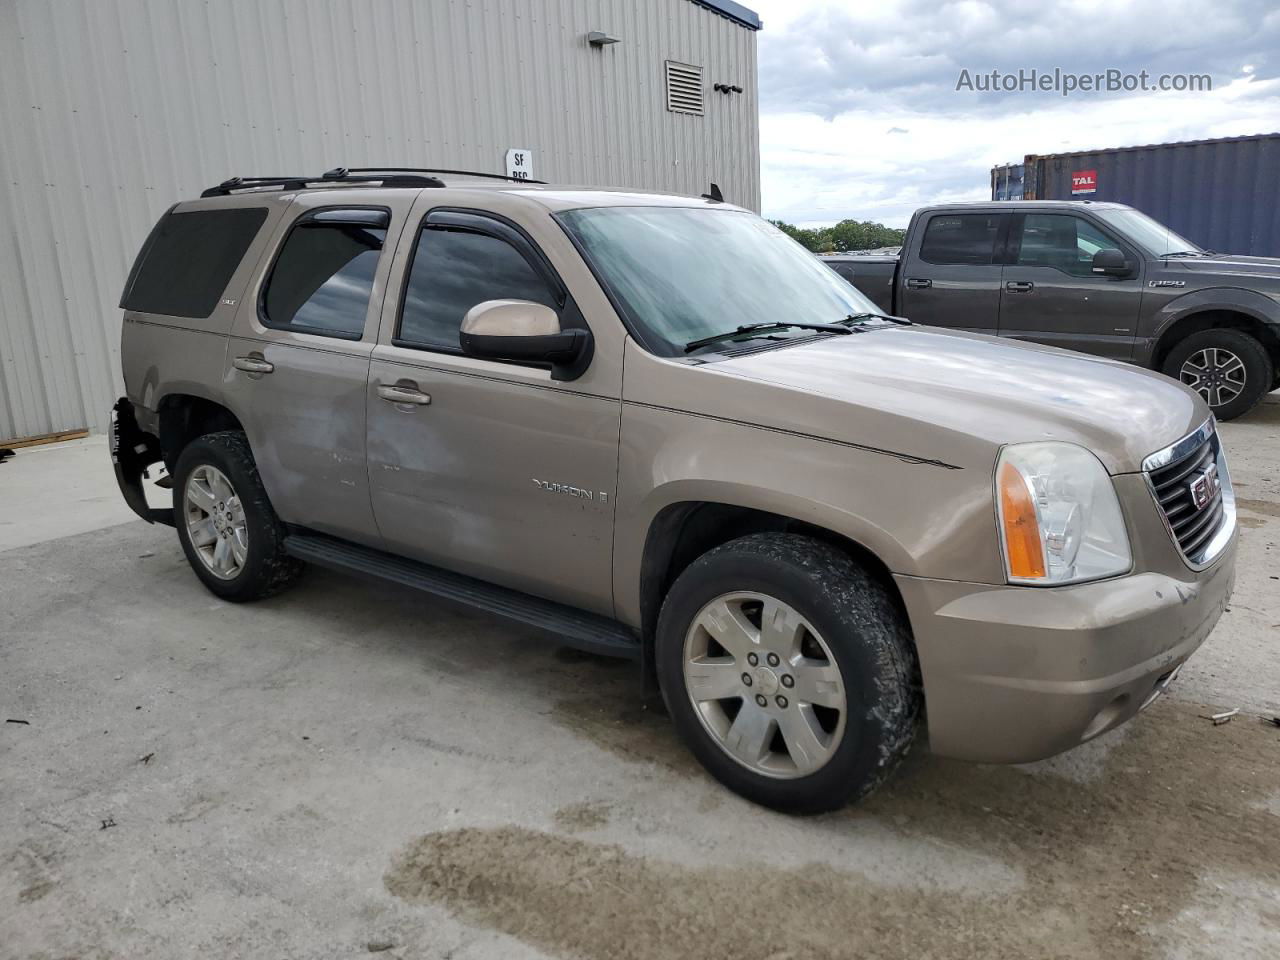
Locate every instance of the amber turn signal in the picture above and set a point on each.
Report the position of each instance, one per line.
(1022, 544)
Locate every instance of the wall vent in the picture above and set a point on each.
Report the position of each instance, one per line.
(684, 88)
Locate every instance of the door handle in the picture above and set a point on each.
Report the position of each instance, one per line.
(916, 283)
(403, 393)
(1019, 286)
(253, 364)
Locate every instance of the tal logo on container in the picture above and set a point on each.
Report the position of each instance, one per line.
(1084, 181)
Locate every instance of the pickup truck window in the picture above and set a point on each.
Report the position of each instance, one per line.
(1062, 241)
(452, 271)
(322, 279)
(1151, 235)
(683, 273)
(961, 238)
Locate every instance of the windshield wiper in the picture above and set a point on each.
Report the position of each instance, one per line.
(756, 329)
(1185, 253)
(860, 317)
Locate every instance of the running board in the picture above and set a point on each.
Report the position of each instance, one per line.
(572, 627)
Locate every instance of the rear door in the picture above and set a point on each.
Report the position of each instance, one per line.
(298, 362)
(951, 278)
(1051, 294)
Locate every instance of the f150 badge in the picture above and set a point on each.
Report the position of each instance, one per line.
(570, 491)
(1166, 283)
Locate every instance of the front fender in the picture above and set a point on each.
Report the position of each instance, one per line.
(1249, 303)
(914, 516)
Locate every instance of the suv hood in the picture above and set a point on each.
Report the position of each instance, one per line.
(935, 386)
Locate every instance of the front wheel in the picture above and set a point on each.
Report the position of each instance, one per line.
(789, 672)
(1231, 370)
(228, 530)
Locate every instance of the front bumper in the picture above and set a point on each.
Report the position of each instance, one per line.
(1014, 674)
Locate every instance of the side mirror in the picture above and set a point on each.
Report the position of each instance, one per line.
(524, 332)
(1111, 263)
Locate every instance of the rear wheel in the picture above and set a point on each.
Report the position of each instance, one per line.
(1231, 370)
(228, 530)
(789, 672)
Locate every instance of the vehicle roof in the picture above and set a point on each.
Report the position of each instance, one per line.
(1027, 205)
(554, 197)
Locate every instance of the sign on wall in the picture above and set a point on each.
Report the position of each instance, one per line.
(520, 163)
(1084, 181)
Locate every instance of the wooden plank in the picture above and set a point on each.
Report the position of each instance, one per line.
(45, 438)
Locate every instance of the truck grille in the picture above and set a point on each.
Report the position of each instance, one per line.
(1190, 492)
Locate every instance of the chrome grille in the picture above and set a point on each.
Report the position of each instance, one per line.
(1189, 481)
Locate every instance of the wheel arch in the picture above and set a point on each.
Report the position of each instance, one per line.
(1243, 310)
(684, 530)
(184, 417)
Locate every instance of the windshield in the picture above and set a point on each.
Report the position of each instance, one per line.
(1152, 235)
(684, 273)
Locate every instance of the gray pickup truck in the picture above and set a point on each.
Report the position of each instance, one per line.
(1101, 278)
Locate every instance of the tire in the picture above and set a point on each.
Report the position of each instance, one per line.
(833, 615)
(245, 559)
(1240, 371)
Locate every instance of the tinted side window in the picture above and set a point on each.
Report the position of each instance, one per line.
(1065, 242)
(322, 279)
(452, 271)
(961, 238)
(189, 259)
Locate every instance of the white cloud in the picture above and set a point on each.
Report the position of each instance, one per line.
(860, 117)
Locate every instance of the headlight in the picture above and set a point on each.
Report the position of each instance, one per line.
(1060, 521)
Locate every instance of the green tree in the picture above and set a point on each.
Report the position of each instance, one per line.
(844, 236)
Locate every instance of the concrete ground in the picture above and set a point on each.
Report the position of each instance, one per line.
(350, 769)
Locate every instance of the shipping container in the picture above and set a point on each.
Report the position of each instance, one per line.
(1222, 194)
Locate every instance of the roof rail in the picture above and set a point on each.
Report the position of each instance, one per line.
(456, 173)
(391, 178)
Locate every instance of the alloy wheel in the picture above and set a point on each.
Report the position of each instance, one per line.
(764, 685)
(1216, 374)
(216, 522)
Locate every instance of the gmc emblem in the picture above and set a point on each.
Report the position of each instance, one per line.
(1204, 487)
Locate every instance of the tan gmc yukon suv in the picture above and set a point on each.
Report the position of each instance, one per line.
(655, 427)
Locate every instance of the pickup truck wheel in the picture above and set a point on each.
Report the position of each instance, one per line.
(228, 530)
(1228, 368)
(789, 672)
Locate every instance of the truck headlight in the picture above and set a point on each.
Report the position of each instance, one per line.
(1060, 521)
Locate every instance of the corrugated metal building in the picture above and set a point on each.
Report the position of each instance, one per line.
(1222, 194)
(111, 110)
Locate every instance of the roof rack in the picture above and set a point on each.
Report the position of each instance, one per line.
(455, 173)
(384, 176)
(337, 175)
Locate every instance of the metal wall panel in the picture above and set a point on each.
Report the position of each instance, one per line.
(111, 110)
(1222, 194)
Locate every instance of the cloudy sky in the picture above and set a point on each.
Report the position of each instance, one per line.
(860, 116)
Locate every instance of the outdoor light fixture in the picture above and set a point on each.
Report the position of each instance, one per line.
(727, 88)
(598, 39)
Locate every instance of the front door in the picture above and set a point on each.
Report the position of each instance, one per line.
(1051, 294)
(953, 279)
(298, 359)
(490, 469)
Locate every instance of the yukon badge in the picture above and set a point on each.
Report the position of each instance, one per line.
(570, 491)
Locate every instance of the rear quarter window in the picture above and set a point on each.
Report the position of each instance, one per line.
(968, 238)
(189, 259)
